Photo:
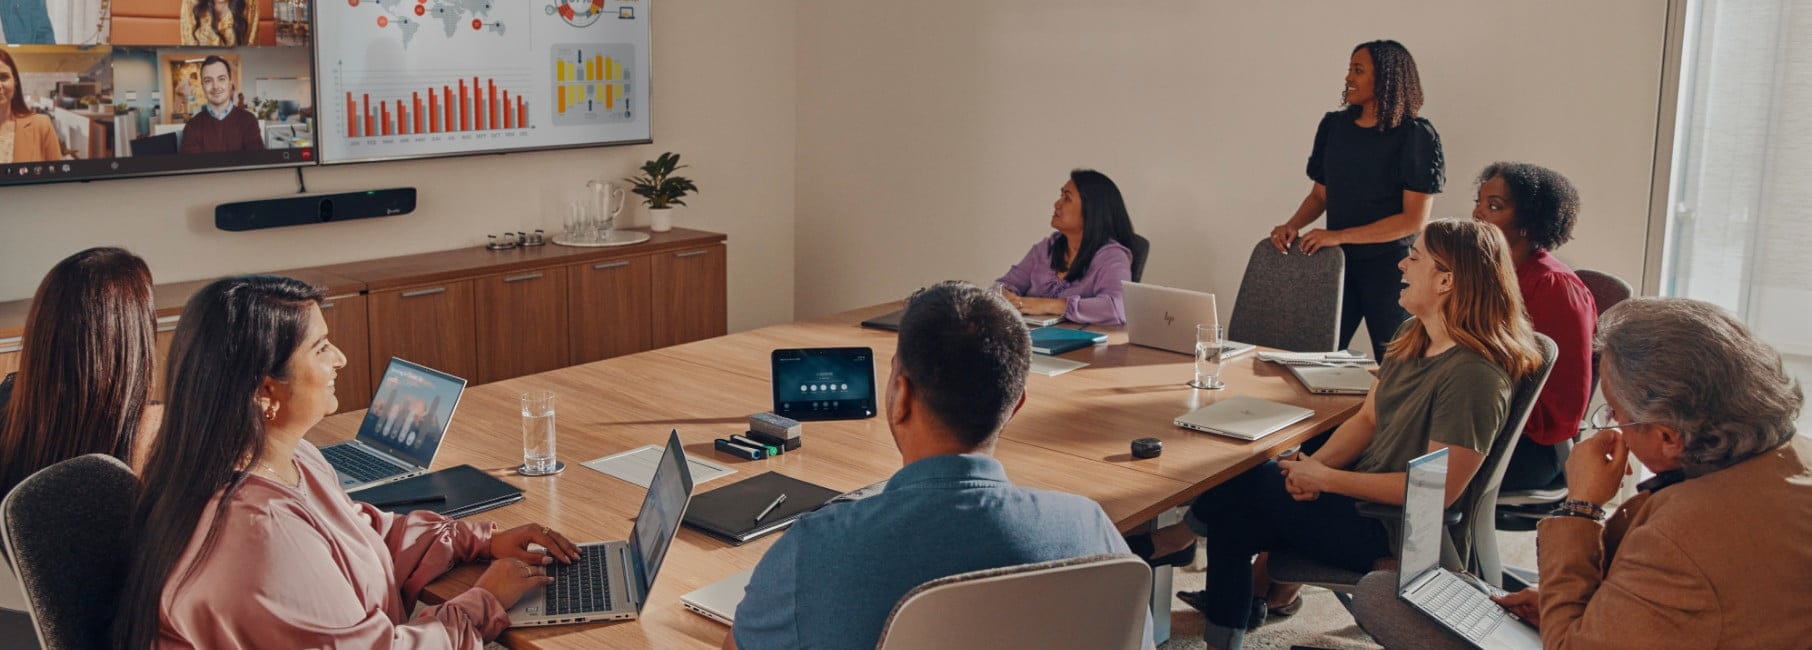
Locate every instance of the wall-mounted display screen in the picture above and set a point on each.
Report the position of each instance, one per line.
(93, 89)
(413, 78)
(112, 88)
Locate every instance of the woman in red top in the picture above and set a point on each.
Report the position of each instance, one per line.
(1536, 208)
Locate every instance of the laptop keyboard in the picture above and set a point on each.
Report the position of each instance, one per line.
(1459, 605)
(353, 462)
(580, 587)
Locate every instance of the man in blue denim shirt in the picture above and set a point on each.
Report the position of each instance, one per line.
(958, 377)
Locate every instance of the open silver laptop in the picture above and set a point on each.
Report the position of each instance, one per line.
(1457, 602)
(610, 580)
(1242, 417)
(717, 601)
(1165, 317)
(1334, 380)
(402, 430)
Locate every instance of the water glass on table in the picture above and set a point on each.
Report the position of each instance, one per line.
(1210, 345)
(538, 454)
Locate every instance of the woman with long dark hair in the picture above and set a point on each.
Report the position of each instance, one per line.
(84, 373)
(1076, 272)
(24, 136)
(1444, 383)
(218, 23)
(242, 536)
(1376, 166)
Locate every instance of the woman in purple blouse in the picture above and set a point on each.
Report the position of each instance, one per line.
(1077, 271)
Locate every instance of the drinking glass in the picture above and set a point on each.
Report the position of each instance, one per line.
(538, 457)
(1210, 343)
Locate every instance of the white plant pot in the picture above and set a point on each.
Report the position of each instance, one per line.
(660, 219)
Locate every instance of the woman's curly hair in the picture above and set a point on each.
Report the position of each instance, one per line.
(1546, 204)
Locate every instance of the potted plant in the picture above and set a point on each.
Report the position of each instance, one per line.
(661, 190)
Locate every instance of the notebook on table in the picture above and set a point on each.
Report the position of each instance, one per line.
(1058, 340)
(739, 512)
(1334, 380)
(455, 492)
(1456, 601)
(890, 321)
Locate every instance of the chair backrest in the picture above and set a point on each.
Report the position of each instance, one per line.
(1475, 536)
(1087, 602)
(1141, 250)
(65, 528)
(1607, 290)
(1290, 302)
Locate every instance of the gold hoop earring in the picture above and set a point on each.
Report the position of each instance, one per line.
(270, 412)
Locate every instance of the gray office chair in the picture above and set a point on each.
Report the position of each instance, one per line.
(1394, 623)
(1087, 602)
(1141, 250)
(1290, 302)
(65, 535)
(1520, 510)
(1471, 540)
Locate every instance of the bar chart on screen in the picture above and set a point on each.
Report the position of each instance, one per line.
(427, 111)
(592, 83)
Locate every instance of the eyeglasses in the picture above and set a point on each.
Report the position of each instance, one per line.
(1604, 417)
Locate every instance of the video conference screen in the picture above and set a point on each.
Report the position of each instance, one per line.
(107, 88)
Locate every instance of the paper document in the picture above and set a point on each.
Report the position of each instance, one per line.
(1053, 366)
(637, 466)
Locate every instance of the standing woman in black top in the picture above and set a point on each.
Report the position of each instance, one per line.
(1376, 167)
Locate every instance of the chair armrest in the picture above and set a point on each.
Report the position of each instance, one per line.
(1395, 513)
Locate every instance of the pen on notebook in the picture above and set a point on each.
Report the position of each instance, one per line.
(411, 501)
(764, 511)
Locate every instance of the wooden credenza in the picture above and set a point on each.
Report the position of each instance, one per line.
(490, 315)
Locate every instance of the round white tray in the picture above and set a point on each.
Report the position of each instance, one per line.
(617, 238)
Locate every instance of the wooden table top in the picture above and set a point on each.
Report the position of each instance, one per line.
(1072, 435)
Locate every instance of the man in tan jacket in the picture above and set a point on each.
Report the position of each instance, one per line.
(1715, 551)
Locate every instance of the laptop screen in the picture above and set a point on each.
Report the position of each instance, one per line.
(662, 510)
(1422, 505)
(410, 411)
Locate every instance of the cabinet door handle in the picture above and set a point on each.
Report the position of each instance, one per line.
(523, 278)
(13, 344)
(424, 292)
(325, 305)
(695, 253)
(167, 324)
(610, 265)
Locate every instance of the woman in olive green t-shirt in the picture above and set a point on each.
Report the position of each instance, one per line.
(1445, 383)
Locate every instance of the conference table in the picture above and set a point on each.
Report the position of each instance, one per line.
(1072, 435)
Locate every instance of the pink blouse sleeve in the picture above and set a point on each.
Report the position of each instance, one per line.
(1102, 305)
(424, 544)
(279, 584)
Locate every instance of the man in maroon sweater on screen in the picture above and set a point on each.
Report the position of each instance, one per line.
(221, 126)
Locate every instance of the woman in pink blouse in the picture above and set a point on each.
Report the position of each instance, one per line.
(242, 535)
(1077, 271)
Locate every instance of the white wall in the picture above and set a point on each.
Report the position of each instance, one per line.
(724, 84)
(934, 135)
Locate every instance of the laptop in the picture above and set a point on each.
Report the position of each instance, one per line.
(1242, 417)
(402, 430)
(1456, 601)
(1334, 380)
(1165, 318)
(610, 580)
(717, 601)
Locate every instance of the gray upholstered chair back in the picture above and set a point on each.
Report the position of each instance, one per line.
(1476, 535)
(65, 536)
(1290, 302)
(1097, 601)
(1607, 290)
(1141, 251)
